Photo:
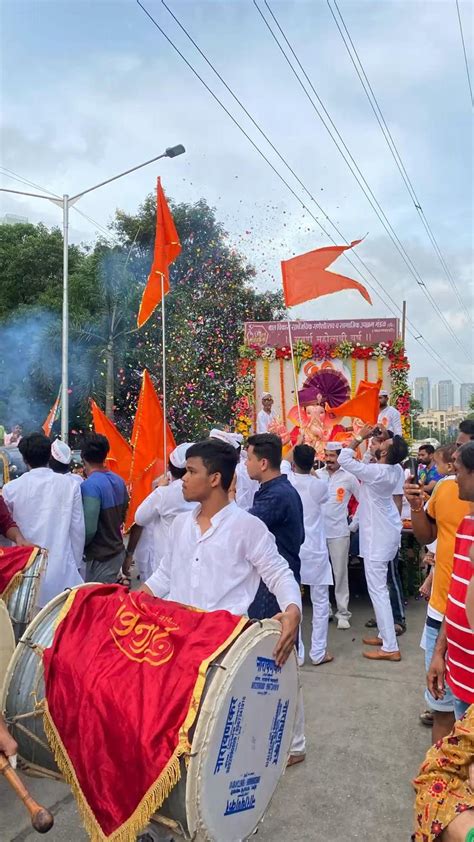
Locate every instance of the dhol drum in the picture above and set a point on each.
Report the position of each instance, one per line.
(7, 642)
(22, 601)
(240, 741)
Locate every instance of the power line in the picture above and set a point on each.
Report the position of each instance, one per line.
(374, 104)
(362, 182)
(412, 329)
(465, 53)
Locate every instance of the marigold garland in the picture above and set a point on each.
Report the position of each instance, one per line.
(366, 369)
(353, 377)
(266, 374)
(282, 392)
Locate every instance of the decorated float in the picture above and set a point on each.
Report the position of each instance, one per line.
(332, 362)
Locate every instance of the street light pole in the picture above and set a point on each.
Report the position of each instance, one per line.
(65, 203)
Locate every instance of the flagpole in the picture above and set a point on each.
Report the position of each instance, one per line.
(163, 365)
(295, 379)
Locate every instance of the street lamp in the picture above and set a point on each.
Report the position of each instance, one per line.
(65, 203)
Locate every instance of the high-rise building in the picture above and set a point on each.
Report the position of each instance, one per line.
(434, 396)
(13, 219)
(422, 392)
(445, 394)
(467, 390)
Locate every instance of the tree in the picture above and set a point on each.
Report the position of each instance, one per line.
(471, 402)
(211, 296)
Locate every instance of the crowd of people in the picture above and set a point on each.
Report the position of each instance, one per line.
(237, 526)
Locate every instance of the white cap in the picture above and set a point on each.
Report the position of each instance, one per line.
(266, 395)
(383, 393)
(178, 455)
(61, 452)
(228, 438)
(332, 446)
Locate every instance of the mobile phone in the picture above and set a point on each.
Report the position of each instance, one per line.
(414, 465)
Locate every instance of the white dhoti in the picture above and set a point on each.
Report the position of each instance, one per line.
(339, 555)
(376, 577)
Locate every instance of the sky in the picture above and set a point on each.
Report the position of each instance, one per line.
(90, 89)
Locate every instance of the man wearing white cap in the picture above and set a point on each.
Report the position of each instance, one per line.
(341, 487)
(60, 461)
(389, 417)
(156, 514)
(245, 488)
(266, 414)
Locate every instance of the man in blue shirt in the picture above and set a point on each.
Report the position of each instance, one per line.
(428, 474)
(105, 501)
(279, 505)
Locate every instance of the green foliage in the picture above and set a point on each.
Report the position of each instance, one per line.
(212, 294)
(471, 402)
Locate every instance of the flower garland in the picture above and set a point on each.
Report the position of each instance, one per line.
(353, 376)
(282, 391)
(393, 351)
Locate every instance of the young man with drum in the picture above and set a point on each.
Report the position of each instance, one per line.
(218, 553)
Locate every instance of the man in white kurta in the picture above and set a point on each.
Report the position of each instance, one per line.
(266, 414)
(389, 416)
(315, 566)
(158, 511)
(218, 553)
(48, 510)
(341, 487)
(379, 530)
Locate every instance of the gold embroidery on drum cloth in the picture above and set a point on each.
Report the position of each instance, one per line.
(171, 774)
(15, 581)
(140, 641)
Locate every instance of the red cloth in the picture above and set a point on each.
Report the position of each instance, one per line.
(167, 248)
(305, 276)
(122, 689)
(6, 520)
(460, 655)
(148, 460)
(119, 459)
(13, 562)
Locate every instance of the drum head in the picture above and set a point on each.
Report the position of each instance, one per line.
(242, 738)
(7, 642)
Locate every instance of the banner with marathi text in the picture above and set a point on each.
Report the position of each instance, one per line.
(123, 681)
(13, 563)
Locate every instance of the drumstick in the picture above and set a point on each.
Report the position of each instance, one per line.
(41, 819)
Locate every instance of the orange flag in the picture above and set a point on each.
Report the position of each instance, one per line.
(305, 276)
(52, 416)
(167, 248)
(119, 459)
(148, 460)
(365, 405)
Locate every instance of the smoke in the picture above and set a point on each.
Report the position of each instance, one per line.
(30, 368)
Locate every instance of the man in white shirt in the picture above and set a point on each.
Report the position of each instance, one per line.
(341, 487)
(315, 566)
(61, 458)
(218, 553)
(389, 417)
(379, 530)
(266, 414)
(48, 508)
(156, 514)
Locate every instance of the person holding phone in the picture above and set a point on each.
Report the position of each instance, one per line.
(439, 521)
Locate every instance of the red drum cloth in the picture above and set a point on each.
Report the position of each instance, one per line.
(123, 681)
(13, 563)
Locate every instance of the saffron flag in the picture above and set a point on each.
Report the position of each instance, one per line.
(123, 681)
(13, 563)
(305, 276)
(53, 414)
(364, 405)
(167, 248)
(119, 459)
(148, 459)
